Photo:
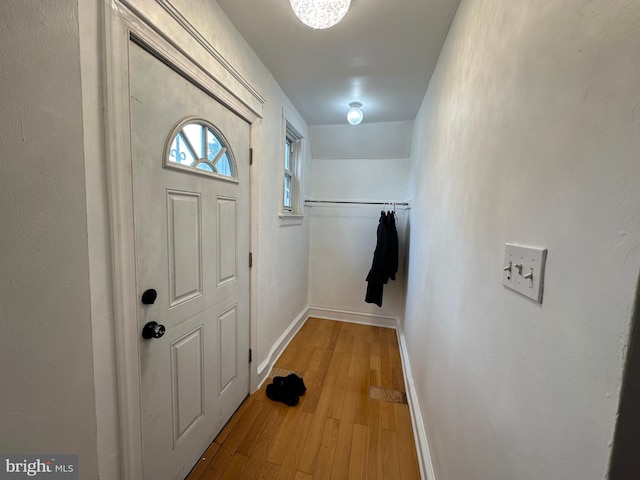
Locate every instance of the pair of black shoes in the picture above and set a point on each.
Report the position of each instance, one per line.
(286, 389)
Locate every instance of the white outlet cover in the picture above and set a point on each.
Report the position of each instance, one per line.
(532, 260)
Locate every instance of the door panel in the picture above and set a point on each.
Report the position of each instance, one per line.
(187, 361)
(227, 240)
(184, 238)
(191, 232)
(228, 348)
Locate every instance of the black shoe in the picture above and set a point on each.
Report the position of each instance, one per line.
(291, 382)
(284, 395)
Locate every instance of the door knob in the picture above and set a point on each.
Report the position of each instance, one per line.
(152, 330)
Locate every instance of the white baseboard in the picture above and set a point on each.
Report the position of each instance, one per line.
(419, 431)
(353, 317)
(278, 347)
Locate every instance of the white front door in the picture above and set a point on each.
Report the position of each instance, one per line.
(192, 248)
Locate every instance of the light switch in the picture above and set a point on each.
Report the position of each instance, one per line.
(508, 278)
(524, 270)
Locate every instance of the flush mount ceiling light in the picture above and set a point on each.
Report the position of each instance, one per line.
(320, 13)
(355, 115)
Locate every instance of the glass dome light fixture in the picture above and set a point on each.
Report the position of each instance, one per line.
(355, 115)
(320, 13)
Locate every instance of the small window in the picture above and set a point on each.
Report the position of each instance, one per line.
(291, 178)
(196, 145)
(288, 176)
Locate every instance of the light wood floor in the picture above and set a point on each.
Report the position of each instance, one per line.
(337, 431)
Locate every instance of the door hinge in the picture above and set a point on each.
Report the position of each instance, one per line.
(250, 355)
(250, 259)
(251, 156)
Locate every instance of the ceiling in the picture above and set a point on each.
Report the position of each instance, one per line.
(381, 54)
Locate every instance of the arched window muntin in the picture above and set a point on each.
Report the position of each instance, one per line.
(195, 145)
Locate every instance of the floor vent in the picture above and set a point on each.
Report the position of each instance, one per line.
(387, 395)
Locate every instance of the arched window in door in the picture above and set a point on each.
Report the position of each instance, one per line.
(198, 146)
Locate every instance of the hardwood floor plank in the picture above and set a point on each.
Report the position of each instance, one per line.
(343, 360)
(385, 365)
(235, 467)
(292, 457)
(334, 333)
(374, 370)
(204, 462)
(394, 350)
(258, 457)
(268, 416)
(374, 443)
(310, 452)
(233, 440)
(235, 419)
(340, 469)
(397, 379)
(358, 457)
(362, 385)
(269, 472)
(285, 435)
(254, 468)
(327, 450)
(335, 365)
(390, 461)
(387, 416)
(406, 446)
(313, 381)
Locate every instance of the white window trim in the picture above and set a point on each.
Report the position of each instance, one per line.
(294, 216)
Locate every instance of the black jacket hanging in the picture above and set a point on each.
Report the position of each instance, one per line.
(385, 258)
(377, 276)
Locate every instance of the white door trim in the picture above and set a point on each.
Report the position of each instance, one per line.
(121, 25)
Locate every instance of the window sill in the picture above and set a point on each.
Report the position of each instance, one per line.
(287, 219)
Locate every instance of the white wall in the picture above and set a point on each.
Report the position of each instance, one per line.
(381, 140)
(343, 237)
(529, 133)
(47, 403)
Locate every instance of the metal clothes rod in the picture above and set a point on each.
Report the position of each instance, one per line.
(349, 202)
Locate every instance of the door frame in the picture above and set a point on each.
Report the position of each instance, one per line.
(123, 23)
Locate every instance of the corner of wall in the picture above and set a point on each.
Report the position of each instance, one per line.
(264, 368)
(623, 462)
(353, 317)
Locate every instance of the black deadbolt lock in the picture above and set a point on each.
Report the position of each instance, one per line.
(149, 296)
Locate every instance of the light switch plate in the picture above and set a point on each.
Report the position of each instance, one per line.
(525, 262)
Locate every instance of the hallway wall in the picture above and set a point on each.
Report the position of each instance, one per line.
(529, 133)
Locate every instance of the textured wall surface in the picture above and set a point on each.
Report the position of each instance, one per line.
(343, 237)
(47, 404)
(529, 133)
